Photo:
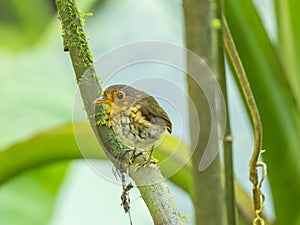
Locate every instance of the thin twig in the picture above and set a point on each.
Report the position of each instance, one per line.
(255, 117)
(229, 190)
(125, 200)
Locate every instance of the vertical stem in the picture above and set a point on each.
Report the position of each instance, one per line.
(255, 117)
(207, 190)
(231, 211)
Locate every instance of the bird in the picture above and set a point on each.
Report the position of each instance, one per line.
(135, 117)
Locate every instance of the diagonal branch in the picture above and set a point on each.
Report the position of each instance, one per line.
(156, 195)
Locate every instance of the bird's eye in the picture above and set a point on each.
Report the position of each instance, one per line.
(120, 95)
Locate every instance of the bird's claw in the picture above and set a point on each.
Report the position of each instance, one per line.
(145, 163)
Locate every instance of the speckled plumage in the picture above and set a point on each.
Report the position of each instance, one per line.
(135, 117)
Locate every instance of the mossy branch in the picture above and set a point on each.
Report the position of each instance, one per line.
(148, 179)
(258, 197)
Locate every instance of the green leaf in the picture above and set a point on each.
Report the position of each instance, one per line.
(48, 147)
(287, 13)
(23, 23)
(30, 199)
(276, 103)
(174, 159)
(63, 143)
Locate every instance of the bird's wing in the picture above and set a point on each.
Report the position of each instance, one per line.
(151, 109)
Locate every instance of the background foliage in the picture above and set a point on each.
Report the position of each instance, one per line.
(38, 88)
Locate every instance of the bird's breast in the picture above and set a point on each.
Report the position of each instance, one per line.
(132, 127)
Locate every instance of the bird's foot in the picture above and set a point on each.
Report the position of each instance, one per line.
(138, 158)
(148, 161)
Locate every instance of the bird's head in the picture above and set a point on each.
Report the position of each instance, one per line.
(120, 95)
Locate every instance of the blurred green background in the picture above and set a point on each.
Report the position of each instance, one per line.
(38, 88)
(37, 94)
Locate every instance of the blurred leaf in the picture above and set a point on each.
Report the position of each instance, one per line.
(22, 23)
(77, 140)
(34, 97)
(174, 161)
(30, 199)
(48, 147)
(74, 141)
(288, 42)
(276, 103)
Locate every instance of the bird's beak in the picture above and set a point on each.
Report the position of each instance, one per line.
(102, 100)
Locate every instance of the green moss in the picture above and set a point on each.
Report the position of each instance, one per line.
(76, 42)
(73, 33)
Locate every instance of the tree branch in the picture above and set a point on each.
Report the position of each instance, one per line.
(148, 179)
